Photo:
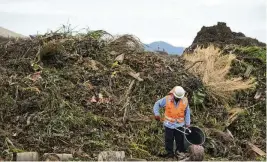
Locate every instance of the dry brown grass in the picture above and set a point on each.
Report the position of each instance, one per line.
(212, 68)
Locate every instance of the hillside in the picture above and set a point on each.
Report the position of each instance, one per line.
(163, 46)
(8, 33)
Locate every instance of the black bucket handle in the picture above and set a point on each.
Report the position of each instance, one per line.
(203, 138)
(184, 130)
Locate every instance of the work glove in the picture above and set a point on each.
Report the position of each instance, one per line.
(157, 118)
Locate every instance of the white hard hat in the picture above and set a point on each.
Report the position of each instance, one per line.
(179, 92)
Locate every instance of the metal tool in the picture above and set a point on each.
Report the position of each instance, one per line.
(184, 130)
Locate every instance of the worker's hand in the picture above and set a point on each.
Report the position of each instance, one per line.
(157, 118)
(187, 126)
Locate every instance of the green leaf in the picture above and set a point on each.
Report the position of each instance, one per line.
(198, 97)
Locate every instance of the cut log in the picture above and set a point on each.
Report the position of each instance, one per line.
(111, 156)
(27, 156)
(57, 157)
(50, 157)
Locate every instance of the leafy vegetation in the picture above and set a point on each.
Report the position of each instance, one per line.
(252, 51)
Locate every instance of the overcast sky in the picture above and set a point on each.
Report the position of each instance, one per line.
(174, 21)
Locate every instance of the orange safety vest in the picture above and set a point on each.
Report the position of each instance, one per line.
(172, 113)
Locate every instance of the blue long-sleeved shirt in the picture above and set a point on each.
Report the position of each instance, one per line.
(162, 103)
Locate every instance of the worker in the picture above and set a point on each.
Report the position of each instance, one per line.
(177, 115)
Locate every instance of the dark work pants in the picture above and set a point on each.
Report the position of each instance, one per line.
(170, 136)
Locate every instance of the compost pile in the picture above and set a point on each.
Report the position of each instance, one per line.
(231, 138)
(84, 94)
(221, 35)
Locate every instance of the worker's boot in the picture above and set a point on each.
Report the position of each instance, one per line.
(181, 155)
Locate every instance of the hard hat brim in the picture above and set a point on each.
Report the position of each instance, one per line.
(178, 96)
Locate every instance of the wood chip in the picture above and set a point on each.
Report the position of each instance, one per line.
(248, 71)
(136, 76)
(113, 53)
(256, 149)
(93, 65)
(170, 68)
(120, 58)
(36, 76)
(257, 95)
(230, 133)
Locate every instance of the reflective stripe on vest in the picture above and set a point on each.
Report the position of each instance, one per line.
(173, 113)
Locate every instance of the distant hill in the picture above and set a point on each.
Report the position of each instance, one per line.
(8, 33)
(163, 46)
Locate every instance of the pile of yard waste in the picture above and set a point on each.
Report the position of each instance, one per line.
(246, 123)
(84, 94)
(93, 92)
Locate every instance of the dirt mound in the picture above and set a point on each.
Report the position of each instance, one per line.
(221, 35)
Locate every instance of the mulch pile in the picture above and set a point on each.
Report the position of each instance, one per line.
(84, 94)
